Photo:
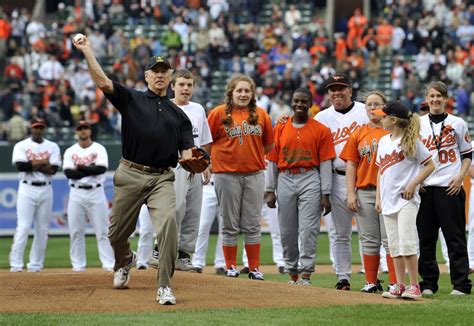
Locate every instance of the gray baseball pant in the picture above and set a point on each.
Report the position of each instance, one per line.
(240, 198)
(299, 216)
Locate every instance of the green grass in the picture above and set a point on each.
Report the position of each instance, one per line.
(440, 310)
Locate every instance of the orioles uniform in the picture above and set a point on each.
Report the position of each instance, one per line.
(342, 126)
(447, 140)
(361, 148)
(238, 159)
(88, 202)
(299, 151)
(34, 203)
(470, 239)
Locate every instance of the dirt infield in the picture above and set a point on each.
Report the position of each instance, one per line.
(60, 290)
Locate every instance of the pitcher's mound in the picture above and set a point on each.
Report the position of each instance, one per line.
(60, 290)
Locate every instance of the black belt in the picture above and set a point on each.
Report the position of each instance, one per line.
(144, 168)
(340, 172)
(37, 183)
(86, 187)
(368, 187)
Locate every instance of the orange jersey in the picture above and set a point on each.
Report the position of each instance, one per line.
(239, 148)
(361, 148)
(303, 147)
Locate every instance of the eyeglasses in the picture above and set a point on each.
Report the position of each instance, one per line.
(374, 105)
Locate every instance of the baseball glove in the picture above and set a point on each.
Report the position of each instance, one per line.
(198, 162)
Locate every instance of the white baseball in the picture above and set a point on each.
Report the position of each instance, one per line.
(78, 37)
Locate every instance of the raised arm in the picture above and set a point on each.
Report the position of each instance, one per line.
(97, 73)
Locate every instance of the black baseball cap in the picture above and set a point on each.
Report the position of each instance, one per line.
(338, 79)
(156, 60)
(82, 124)
(395, 109)
(38, 122)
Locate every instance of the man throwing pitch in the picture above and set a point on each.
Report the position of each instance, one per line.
(154, 130)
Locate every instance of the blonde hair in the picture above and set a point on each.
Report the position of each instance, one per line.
(411, 127)
(252, 107)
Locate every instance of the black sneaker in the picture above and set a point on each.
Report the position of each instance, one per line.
(379, 285)
(343, 285)
(220, 271)
(244, 270)
(282, 270)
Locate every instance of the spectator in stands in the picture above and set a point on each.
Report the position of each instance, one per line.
(423, 62)
(369, 42)
(465, 33)
(357, 25)
(384, 37)
(51, 69)
(462, 100)
(373, 70)
(216, 7)
(300, 57)
(133, 10)
(398, 37)
(98, 44)
(116, 10)
(454, 71)
(34, 31)
(292, 16)
(398, 79)
(412, 41)
(16, 128)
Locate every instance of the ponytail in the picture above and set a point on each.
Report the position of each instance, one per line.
(411, 135)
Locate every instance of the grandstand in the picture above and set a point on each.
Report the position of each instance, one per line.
(281, 44)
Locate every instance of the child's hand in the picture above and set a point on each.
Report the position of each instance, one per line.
(409, 191)
(378, 207)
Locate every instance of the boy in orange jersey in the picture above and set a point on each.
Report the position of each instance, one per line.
(361, 178)
(301, 166)
(242, 134)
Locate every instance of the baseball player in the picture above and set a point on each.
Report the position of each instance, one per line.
(404, 163)
(343, 118)
(37, 159)
(442, 201)
(301, 161)
(242, 135)
(84, 165)
(188, 188)
(361, 176)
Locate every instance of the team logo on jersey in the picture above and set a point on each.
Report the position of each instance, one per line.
(246, 129)
(341, 135)
(292, 155)
(37, 156)
(467, 137)
(368, 150)
(447, 139)
(85, 160)
(390, 159)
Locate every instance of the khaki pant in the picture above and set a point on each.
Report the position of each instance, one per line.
(132, 188)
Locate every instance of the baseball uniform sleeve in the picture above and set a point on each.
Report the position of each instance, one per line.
(327, 151)
(68, 162)
(463, 137)
(215, 122)
(102, 157)
(423, 155)
(271, 176)
(350, 152)
(206, 137)
(55, 158)
(325, 174)
(19, 153)
(267, 137)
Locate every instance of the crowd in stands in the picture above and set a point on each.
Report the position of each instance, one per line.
(43, 75)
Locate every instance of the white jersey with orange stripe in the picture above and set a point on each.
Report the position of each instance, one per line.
(342, 126)
(446, 150)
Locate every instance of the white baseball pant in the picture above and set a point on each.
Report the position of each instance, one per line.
(342, 219)
(34, 204)
(470, 237)
(147, 235)
(209, 212)
(92, 205)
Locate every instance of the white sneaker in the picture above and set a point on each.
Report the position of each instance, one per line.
(165, 296)
(122, 276)
(427, 293)
(16, 269)
(304, 281)
(232, 272)
(154, 261)
(34, 270)
(79, 269)
(457, 292)
(184, 264)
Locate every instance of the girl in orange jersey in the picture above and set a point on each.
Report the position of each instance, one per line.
(242, 134)
(361, 177)
(301, 165)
